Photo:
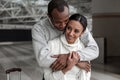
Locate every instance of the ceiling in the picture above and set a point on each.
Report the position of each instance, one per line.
(22, 10)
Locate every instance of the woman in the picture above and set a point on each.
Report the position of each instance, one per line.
(67, 42)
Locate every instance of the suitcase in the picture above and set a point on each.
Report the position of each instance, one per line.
(13, 70)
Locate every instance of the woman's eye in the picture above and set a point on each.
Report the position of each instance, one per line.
(76, 31)
(68, 28)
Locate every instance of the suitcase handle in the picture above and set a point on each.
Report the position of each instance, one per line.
(13, 70)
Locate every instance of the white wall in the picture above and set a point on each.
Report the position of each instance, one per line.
(105, 6)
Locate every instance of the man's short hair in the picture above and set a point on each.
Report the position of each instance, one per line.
(58, 4)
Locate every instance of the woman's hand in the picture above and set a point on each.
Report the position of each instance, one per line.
(72, 61)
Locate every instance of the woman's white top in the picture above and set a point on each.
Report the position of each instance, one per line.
(60, 46)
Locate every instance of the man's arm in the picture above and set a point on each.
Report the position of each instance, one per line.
(40, 46)
(91, 50)
(85, 65)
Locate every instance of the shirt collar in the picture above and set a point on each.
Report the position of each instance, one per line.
(64, 41)
(51, 23)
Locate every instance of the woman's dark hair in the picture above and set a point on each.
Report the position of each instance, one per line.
(80, 18)
(58, 4)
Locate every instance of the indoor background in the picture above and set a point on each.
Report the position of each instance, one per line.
(17, 18)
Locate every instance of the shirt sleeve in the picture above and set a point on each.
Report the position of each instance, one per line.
(40, 46)
(91, 50)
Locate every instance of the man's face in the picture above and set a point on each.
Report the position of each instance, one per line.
(60, 19)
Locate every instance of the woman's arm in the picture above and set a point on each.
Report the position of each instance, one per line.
(40, 45)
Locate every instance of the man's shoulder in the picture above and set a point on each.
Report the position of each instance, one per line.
(54, 40)
(42, 24)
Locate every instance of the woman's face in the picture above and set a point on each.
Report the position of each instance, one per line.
(73, 30)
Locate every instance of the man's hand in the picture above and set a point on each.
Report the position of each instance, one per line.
(60, 62)
(84, 65)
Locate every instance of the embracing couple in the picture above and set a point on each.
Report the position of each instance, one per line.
(63, 45)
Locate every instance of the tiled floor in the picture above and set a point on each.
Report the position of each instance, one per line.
(21, 55)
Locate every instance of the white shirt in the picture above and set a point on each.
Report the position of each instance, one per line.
(44, 31)
(59, 46)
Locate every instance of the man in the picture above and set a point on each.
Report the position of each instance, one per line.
(53, 26)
